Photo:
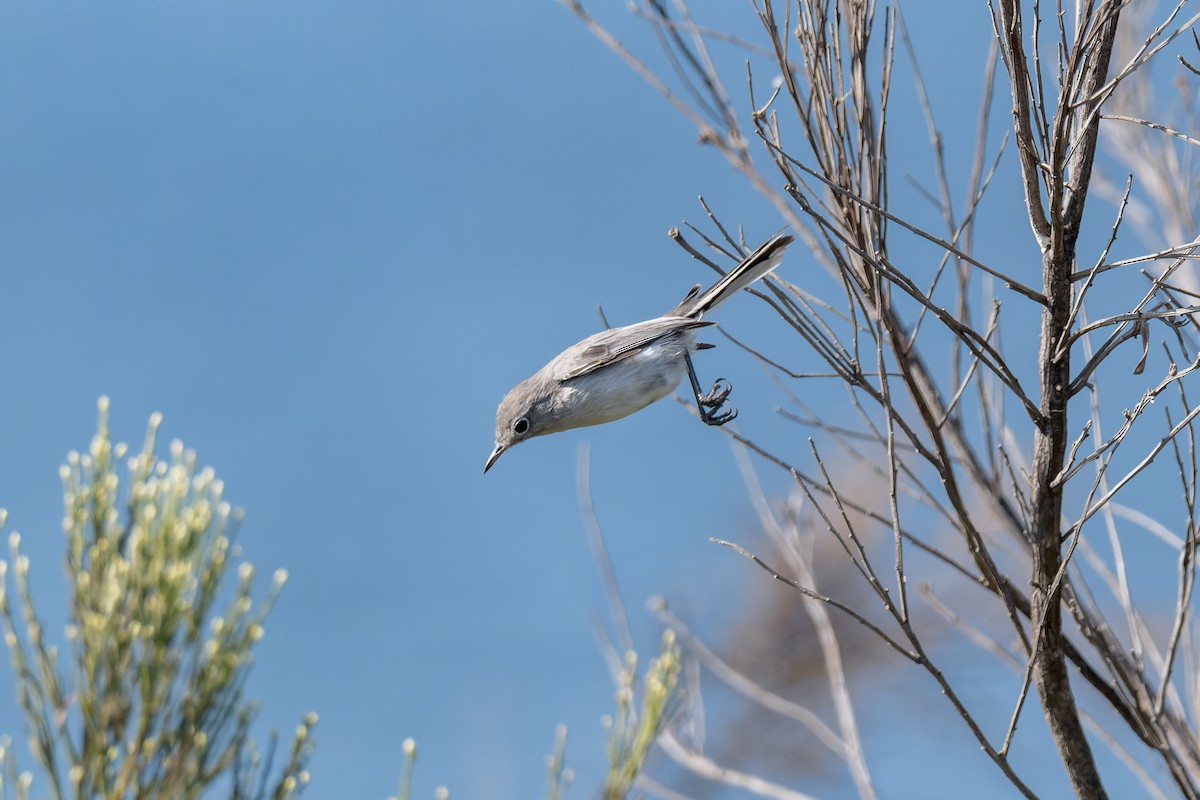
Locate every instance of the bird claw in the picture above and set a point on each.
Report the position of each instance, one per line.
(711, 418)
(716, 398)
(710, 404)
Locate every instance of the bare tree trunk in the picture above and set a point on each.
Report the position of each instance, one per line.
(1050, 666)
(1073, 148)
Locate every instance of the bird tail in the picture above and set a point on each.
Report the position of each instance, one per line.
(755, 266)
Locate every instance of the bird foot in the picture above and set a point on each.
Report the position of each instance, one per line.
(711, 403)
(716, 398)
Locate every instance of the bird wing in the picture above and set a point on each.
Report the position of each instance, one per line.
(608, 347)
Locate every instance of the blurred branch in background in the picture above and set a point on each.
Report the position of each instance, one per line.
(996, 464)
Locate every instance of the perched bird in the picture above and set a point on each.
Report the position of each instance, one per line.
(616, 372)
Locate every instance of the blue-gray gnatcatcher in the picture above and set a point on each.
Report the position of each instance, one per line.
(616, 372)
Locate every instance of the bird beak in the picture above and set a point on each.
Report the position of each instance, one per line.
(492, 458)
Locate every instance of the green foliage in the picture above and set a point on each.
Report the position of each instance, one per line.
(632, 734)
(148, 702)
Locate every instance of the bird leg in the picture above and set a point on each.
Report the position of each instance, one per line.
(709, 404)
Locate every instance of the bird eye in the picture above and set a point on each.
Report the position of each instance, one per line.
(521, 426)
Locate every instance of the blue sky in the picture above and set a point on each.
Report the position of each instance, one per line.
(324, 240)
